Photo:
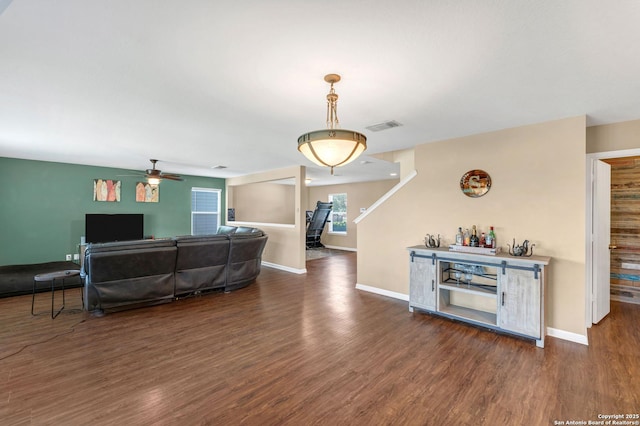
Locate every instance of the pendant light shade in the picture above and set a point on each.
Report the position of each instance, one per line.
(332, 147)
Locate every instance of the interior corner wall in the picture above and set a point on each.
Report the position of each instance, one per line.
(43, 206)
(359, 195)
(286, 244)
(405, 157)
(537, 193)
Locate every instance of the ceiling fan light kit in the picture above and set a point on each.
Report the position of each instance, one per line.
(332, 147)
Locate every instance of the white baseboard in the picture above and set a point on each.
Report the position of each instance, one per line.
(553, 332)
(567, 335)
(341, 248)
(284, 268)
(383, 292)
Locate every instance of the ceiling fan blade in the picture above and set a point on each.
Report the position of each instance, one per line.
(172, 177)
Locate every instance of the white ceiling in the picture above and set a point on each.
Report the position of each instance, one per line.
(199, 83)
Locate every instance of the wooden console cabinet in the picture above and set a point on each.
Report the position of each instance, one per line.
(500, 292)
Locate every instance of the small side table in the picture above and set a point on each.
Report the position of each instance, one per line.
(53, 276)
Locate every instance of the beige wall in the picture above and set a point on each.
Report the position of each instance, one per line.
(358, 195)
(264, 202)
(286, 244)
(613, 137)
(538, 193)
(406, 158)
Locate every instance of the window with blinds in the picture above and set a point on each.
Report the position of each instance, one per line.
(205, 211)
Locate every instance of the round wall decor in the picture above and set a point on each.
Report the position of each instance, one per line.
(475, 183)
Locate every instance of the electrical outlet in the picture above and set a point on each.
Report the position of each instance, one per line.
(68, 257)
(76, 256)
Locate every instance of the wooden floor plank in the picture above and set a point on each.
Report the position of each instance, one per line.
(302, 349)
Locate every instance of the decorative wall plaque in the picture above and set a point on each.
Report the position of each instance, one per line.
(106, 190)
(475, 183)
(147, 193)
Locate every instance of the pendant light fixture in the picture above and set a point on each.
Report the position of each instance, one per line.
(332, 147)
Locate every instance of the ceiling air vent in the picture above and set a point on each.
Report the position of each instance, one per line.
(383, 126)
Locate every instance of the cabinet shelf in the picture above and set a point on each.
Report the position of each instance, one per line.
(475, 270)
(474, 315)
(478, 289)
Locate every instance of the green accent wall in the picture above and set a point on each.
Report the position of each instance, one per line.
(43, 205)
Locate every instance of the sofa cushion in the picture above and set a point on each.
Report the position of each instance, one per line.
(184, 239)
(111, 265)
(245, 257)
(196, 252)
(243, 230)
(201, 263)
(129, 245)
(246, 232)
(139, 290)
(127, 273)
(224, 229)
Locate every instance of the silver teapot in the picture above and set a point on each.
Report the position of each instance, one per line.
(523, 250)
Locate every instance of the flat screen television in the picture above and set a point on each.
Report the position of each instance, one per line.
(105, 228)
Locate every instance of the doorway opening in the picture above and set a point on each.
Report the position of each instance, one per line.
(625, 229)
(622, 280)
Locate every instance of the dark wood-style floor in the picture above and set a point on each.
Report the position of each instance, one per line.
(299, 350)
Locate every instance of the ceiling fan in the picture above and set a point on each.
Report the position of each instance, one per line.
(154, 176)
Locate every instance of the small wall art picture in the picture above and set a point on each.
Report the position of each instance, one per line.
(147, 193)
(106, 190)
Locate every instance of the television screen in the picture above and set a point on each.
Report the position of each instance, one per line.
(104, 228)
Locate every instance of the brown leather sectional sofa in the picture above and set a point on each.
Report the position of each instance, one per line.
(135, 273)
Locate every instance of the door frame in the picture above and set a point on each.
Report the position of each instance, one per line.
(590, 158)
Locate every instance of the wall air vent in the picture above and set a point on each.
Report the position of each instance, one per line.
(383, 126)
